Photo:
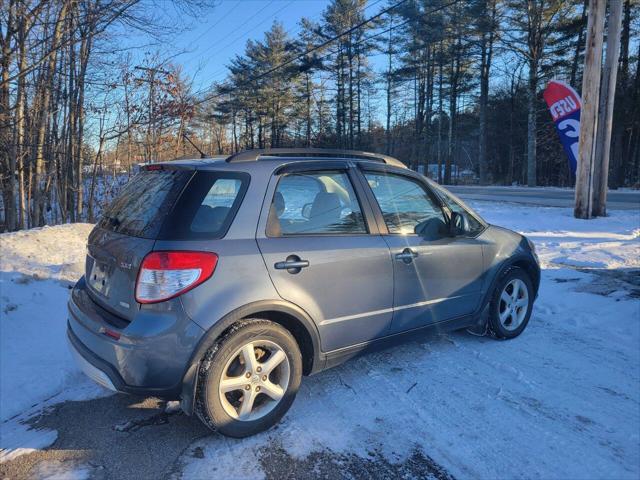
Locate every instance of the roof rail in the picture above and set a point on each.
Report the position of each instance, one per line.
(255, 154)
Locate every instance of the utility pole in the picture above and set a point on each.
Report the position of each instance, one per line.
(590, 104)
(605, 114)
(151, 80)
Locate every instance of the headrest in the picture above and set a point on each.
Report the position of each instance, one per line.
(278, 203)
(327, 205)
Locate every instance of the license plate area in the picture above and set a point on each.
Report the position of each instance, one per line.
(99, 277)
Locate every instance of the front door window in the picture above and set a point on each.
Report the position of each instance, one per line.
(406, 206)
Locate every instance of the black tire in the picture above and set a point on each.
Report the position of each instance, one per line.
(495, 326)
(209, 406)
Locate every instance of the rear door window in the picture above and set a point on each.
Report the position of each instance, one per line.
(207, 207)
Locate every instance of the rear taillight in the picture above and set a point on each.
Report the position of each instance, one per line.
(164, 275)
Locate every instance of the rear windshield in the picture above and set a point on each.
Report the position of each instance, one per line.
(176, 204)
(139, 209)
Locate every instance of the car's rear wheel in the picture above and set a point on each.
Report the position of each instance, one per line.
(249, 379)
(511, 304)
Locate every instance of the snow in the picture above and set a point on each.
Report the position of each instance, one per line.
(57, 470)
(560, 401)
(36, 268)
(18, 439)
(36, 369)
(564, 241)
(56, 253)
(172, 407)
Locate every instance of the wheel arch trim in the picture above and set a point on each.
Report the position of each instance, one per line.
(303, 320)
(523, 261)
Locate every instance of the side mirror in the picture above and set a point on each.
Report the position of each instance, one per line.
(306, 210)
(431, 229)
(458, 224)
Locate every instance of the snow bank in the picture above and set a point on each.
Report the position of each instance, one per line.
(56, 253)
(563, 240)
(36, 268)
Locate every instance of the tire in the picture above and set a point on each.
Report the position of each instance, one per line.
(506, 317)
(270, 383)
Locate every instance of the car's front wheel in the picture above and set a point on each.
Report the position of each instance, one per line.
(511, 304)
(249, 379)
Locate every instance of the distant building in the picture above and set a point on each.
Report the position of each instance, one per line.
(458, 175)
(433, 171)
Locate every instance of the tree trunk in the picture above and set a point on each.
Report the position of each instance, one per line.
(20, 129)
(486, 54)
(308, 112)
(579, 45)
(531, 123)
(350, 57)
(622, 103)
(45, 98)
(440, 113)
(8, 154)
(388, 92)
(453, 110)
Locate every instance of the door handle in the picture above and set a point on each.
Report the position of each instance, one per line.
(293, 264)
(406, 256)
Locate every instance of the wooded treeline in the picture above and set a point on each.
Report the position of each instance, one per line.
(449, 83)
(67, 93)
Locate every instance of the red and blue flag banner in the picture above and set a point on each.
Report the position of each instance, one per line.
(564, 104)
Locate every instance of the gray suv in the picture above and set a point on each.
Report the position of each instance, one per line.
(221, 282)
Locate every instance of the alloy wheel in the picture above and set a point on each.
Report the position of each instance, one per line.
(254, 380)
(514, 304)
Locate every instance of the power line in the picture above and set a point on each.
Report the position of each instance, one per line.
(215, 24)
(235, 39)
(290, 32)
(318, 47)
(324, 44)
(245, 33)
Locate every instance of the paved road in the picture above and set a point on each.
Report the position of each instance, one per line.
(126, 437)
(549, 197)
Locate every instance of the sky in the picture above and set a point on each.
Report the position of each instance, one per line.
(223, 31)
(205, 45)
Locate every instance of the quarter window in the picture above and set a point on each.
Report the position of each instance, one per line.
(216, 205)
(406, 205)
(308, 203)
(471, 225)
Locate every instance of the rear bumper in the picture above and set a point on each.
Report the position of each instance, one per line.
(151, 356)
(91, 371)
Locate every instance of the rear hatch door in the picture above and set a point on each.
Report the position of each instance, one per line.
(126, 232)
